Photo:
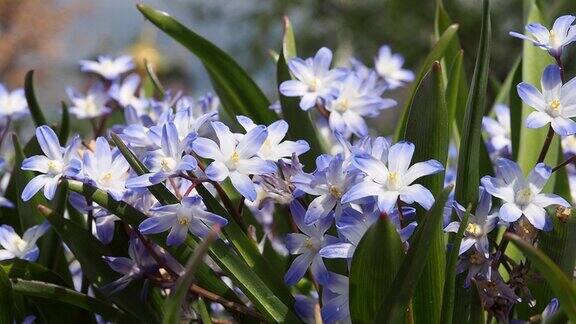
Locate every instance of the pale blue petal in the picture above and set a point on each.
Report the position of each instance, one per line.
(421, 169)
(36, 163)
(49, 143)
(217, 171)
(551, 79)
(419, 194)
(564, 126)
(319, 208)
(361, 190)
(244, 185)
(207, 148)
(337, 251)
(177, 235)
(251, 143)
(50, 188)
(548, 199)
(157, 224)
(536, 216)
(298, 268)
(400, 156)
(531, 96)
(34, 186)
(539, 176)
(319, 270)
(537, 119)
(509, 212)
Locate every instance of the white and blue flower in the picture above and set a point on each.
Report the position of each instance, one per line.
(554, 40)
(23, 247)
(107, 67)
(389, 67)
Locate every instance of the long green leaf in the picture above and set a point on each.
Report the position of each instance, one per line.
(562, 286)
(393, 308)
(245, 277)
(65, 295)
(6, 299)
(33, 104)
(238, 92)
(427, 128)
(64, 129)
(515, 105)
(376, 260)
(89, 252)
(450, 281)
(436, 54)
(301, 126)
(453, 94)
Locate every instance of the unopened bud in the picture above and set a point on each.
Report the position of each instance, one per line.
(563, 213)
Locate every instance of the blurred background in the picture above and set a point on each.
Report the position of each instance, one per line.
(50, 36)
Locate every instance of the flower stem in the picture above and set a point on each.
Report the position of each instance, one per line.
(566, 162)
(546, 145)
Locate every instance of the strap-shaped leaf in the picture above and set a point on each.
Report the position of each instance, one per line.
(376, 260)
(453, 95)
(64, 129)
(238, 92)
(65, 295)
(562, 286)
(428, 130)
(393, 308)
(89, 252)
(436, 54)
(33, 104)
(450, 281)
(301, 126)
(6, 299)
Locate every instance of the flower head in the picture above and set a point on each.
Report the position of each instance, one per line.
(21, 247)
(498, 129)
(54, 164)
(91, 105)
(108, 67)
(125, 94)
(390, 178)
(389, 67)
(522, 195)
(556, 104)
(554, 40)
(187, 216)
(235, 158)
(12, 104)
(106, 168)
(314, 79)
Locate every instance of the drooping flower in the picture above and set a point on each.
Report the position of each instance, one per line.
(393, 181)
(314, 79)
(235, 158)
(307, 246)
(91, 105)
(104, 220)
(107, 169)
(273, 148)
(554, 40)
(187, 216)
(108, 67)
(54, 164)
(167, 161)
(520, 195)
(389, 67)
(352, 102)
(21, 247)
(125, 93)
(479, 224)
(556, 104)
(328, 184)
(498, 129)
(335, 299)
(12, 104)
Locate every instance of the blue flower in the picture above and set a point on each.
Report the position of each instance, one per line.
(328, 184)
(393, 181)
(91, 105)
(125, 94)
(520, 195)
(307, 245)
(353, 102)
(168, 161)
(389, 67)
(108, 67)
(498, 129)
(314, 79)
(106, 169)
(273, 148)
(235, 158)
(54, 164)
(21, 247)
(187, 216)
(335, 299)
(479, 224)
(12, 104)
(104, 221)
(556, 104)
(553, 41)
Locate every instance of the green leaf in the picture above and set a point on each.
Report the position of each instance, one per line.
(65, 295)
(505, 89)
(89, 252)
(561, 285)
(242, 275)
(448, 300)
(515, 105)
(301, 126)
(6, 299)
(238, 92)
(33, 104)
(453, 95)
(436, 54)
(64, 130)
(376, 259)
(393, 308)
(534, 61)
(173, 304)
(427, 128)
(468, 175)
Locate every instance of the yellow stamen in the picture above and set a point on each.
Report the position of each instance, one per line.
(335, 191)
(235, 157)
(474, 230)
(555, 104)
(183, 221)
